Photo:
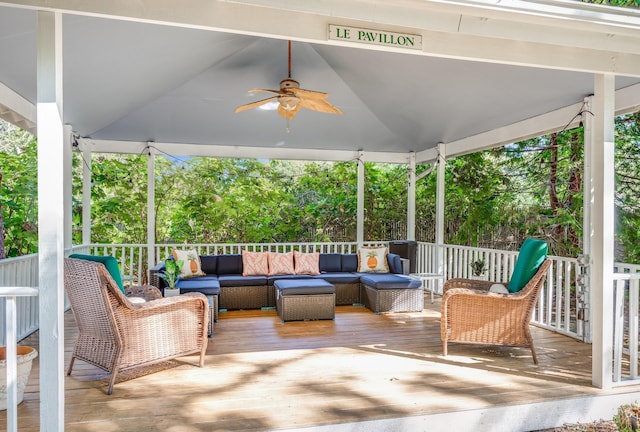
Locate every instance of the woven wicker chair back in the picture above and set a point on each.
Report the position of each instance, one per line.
(87, 286)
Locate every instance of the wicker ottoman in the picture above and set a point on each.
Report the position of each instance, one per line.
(305, 299)
(385, 292)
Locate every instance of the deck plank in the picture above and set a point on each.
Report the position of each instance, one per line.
(261, 374)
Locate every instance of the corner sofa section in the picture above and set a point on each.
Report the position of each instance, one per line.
(223, 275)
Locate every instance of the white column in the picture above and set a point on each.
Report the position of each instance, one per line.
(151, 213)
(440, 182)
(68, 183)
(602, 238)
(411, 198)
(51, 207)
(86, 193)
(360, 211)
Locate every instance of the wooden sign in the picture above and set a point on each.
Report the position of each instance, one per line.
(374, 37)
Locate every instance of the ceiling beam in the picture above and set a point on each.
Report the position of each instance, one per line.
(240, 152)
(17, 110)
(552, 35)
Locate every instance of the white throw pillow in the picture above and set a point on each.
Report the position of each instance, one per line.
(135, 300)
(499, 288)
(373, 260)
(191, 266)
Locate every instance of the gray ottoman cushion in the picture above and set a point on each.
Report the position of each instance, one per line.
(303, 286)
(389, 281)
(207, 285)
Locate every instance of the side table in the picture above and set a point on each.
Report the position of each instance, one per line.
(428, 281)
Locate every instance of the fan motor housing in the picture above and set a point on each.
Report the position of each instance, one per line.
(289, 83)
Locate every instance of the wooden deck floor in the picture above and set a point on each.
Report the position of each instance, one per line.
(386, 370)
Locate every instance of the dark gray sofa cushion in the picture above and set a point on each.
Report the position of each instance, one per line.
(230, 264)
(209, 264)
(236, 280)
(389, 281)
(330, 262)
(339, 277)
(395, 263)
(350, 262)
(303, 286)
(207, 285)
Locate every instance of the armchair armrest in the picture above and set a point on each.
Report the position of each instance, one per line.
(471, 284)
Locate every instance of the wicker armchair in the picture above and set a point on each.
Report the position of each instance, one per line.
(471, 314)
(115, 334)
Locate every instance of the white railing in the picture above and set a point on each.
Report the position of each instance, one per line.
(132, 259)
(10, 297)
(626, 348)
(20, 271)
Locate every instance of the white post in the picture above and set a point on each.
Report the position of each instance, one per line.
(151, 213)
(587, 209)
(86, 193)
(11, 353)
(68, 183)
(440, 182)
(51, 218)
(360, 211)
(11, 350)
(602, 218)
(411, 198)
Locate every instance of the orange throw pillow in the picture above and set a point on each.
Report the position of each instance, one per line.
(255, 263)
(307, 263)
(280, 263)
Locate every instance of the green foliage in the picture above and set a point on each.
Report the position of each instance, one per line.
(622, 3)
(628, 185)
(19, 191)
(475, 196)
(478, 267)
(326, 194)
(627, 419)
(119, 197)
(171, 272)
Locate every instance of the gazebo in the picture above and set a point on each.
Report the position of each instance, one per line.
(417, 81)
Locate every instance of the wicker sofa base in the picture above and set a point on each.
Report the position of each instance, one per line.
(392, 300)
(244, 297)
(347, 294)
(306, 307)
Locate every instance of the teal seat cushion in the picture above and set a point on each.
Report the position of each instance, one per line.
(532, 254)
(110, 263)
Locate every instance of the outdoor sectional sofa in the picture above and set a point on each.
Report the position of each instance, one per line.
(224, 282)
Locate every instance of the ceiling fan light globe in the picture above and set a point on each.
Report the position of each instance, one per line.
(288, 103)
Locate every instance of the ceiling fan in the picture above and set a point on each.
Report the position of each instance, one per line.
(291, 98)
